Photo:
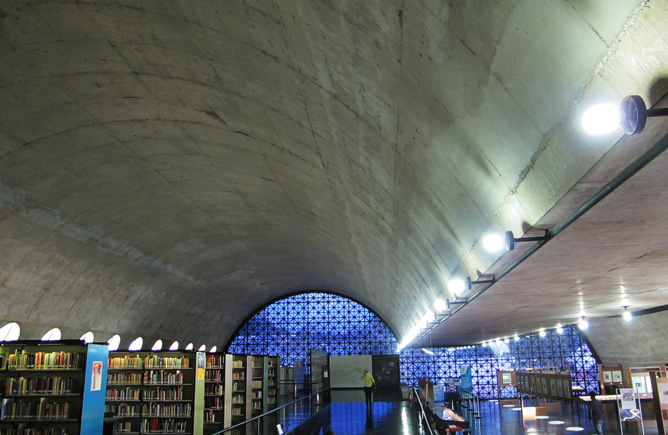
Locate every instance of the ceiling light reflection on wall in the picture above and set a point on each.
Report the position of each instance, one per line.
(493, 243)
(601, 119)
(456, 286)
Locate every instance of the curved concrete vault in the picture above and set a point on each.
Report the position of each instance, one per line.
(167, 167)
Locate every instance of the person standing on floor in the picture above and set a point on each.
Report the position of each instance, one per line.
(369, 386)
(596, 413)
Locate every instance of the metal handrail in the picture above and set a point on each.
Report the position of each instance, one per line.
(257, 417)
(423, 414)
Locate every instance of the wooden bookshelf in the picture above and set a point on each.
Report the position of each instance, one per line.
(258, 384)
(237, 388)
(54, 386)
(214, 393)
(154, 392)
(272, 364)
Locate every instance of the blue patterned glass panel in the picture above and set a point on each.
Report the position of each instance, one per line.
(289, 328)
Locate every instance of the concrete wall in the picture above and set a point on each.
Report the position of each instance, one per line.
(644, 340)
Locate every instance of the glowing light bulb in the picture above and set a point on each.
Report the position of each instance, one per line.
(601, 119)
(493, 242)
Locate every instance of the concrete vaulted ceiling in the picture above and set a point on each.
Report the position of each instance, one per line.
(169, 167)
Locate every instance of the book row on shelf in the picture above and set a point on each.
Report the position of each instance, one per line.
(41, 385)
(65, 388)
(25, 360)
(17, 409)
(47, 431)
(149, 362)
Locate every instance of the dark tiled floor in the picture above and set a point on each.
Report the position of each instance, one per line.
(347, 415)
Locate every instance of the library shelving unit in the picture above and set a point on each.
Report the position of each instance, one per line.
(214, 393)
(156, 392)
(271, 364)
(258, 386)
(237, 388)
(54, 387)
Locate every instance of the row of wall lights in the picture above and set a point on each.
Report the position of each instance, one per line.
(12, 331)
(632, 116)
(583, 324)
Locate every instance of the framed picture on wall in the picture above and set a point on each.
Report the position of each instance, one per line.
(546, 392)
(617, 376)
(539, 387)
(553, 387)
(560, 389)
(533, 384)
(607, 377)
(567, 388)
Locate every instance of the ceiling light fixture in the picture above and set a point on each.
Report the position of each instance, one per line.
(542, 332)
(468, 283)
(559, 329)
(516, 337)
(493, 242)
(484, 344)
(511, 239)
(631, 115)
(439, 305)
(456, 286)
(429, 316)
(449, 303)
(627, 314)
(506, 340)
(583, 324)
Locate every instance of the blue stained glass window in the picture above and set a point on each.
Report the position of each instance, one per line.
(567, 351)
(290, 327)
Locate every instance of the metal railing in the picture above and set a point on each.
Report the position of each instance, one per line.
(265, 429)
(423, 413)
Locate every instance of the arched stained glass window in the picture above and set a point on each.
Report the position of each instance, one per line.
(289, 328)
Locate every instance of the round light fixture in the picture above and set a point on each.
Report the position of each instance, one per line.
(583, 323)
(439, 305)
(627, 314)
(456, 286)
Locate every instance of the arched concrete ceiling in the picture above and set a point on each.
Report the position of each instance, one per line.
(168, 167)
